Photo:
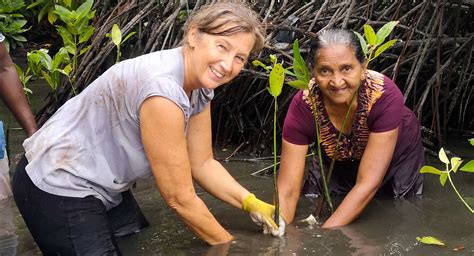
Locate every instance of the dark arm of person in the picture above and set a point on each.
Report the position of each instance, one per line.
(11, 92)
(162, 131)
(290, 177)
(372, 169)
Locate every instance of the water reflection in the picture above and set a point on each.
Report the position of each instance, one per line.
(8, 235)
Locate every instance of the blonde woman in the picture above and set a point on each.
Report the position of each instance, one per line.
(148, 116)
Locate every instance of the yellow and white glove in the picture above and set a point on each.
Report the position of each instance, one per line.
(262, 214)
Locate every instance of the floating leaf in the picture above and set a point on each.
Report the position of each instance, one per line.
(442, 178)
(469, 167)
(455, 163)
(442, 156)
(430, 169)
(430, 240)
(471, 141)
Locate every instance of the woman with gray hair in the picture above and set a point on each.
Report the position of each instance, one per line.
(147, 116)
(380, 151)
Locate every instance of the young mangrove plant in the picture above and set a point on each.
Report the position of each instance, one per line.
(452, 166)
(276, 80)
(116, 36)
(51, 69)
(374, 46)
(12, 23)
(75, 33)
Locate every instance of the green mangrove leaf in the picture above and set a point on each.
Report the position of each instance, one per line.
(299, 66)
(430, 240)
(84, 9)
(257, 63)
(370, 35)
(67, 70)
(48, 80)
(455, 163)
(385, 31)
(19, 38)
(442, 156)
(35, 3)
(430, 169)
(63, 13)
(89, 31)
(298, 84)
(47, 8)
(363, 43)
(471, 141)
(384, 47)
(68, 3)
(469, 167)
(84, 50)
(287, 72)
(116, 35)
(60, 57)
(277, 78)
(442, 178)
(273, 58)
(52, 17)
(128, 36)
(66, 36)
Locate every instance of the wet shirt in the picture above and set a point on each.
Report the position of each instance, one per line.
(92, 144)
(380, 108)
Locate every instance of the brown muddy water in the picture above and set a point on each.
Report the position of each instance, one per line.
(386, 227)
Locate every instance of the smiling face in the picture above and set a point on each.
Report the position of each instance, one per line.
(338, 73)
(213, 60)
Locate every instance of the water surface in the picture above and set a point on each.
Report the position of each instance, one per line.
(386, 227)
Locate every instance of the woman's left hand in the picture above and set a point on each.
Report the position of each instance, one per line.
(262, 214)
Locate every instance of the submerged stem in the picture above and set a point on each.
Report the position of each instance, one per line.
(277, 200)
(458, 194)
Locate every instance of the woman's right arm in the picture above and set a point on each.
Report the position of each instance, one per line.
(162, 131)
(290, 177)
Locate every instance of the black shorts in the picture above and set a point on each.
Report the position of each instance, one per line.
(74, 226)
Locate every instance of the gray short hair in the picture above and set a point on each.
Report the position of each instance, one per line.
(338, 36)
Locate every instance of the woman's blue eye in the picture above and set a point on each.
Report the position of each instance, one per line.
(220, 46)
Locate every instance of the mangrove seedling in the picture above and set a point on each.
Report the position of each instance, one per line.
(276, 80)
(116, 36)
(76, 32)
(451, 166)
(41, 64)
(374, 46)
